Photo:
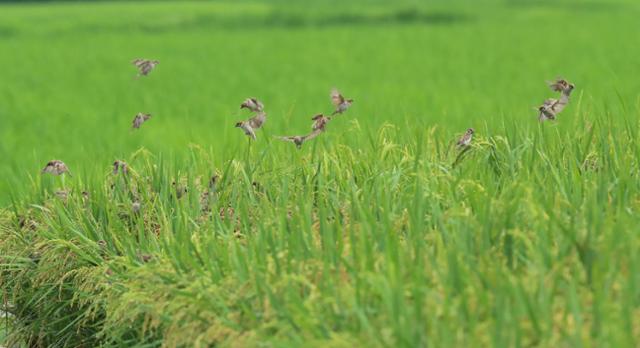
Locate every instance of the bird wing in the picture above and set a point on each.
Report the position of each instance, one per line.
(312, 135)
(336, 97)
(558, 85)
(558, 106)
(550, 102)
(257, 120)
(290, 138)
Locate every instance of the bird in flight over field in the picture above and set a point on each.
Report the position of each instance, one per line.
(300, 139)
(249, 126)
(319, 122)
(465, 140)
(341, 104)
(56, 167)
(252, 104)
(144, 66)
(140, 119)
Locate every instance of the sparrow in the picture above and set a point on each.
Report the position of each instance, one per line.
(144, 66)
(249, 126)
(465, 140)
(319, 122)
(561, 85)
(56, 167)
(140, 119)
(299, 139)
(252, 104)
(339, 102)
(120, 165)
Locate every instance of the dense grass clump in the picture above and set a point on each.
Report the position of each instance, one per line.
(378, 233)
(381, 244)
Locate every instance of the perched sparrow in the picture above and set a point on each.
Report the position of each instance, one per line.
(299, 139)
(339, 102)
(319, 122)
(252, 104)
(120, 165)
(249, 126)
(144, 66)
(465, 140)
(56, 167)
(140, 119)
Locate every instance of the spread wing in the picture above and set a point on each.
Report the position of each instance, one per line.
(558, 106)
(312, 135)
(558, 85)
(247, 129)
(290, 138)
(549, 103)
(258, 120)
(336, 97)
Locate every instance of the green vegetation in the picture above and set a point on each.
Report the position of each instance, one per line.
(367, 236)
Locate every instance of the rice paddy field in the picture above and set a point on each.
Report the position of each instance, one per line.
(380, 232)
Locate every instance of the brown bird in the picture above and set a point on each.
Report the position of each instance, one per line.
(144, 66)
(249, 126)
(252, 104)
(465, 140)
(552, 107)
(56, 167)
(121, 166)
(339, 102)
(140, 119)
(320, 121)
(300, 139)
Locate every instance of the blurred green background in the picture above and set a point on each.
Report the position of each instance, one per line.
(67, 88)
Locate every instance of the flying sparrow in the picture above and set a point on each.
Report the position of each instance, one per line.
(252, 104)
(56, 167)
(144, 66)
(339, 102)
(249, 126)
(299, 139)
(465, 140)
(121, 166)
(319, 122)
(140, 119)
(561, 85)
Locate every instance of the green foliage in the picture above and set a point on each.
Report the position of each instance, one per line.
(377, 233)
